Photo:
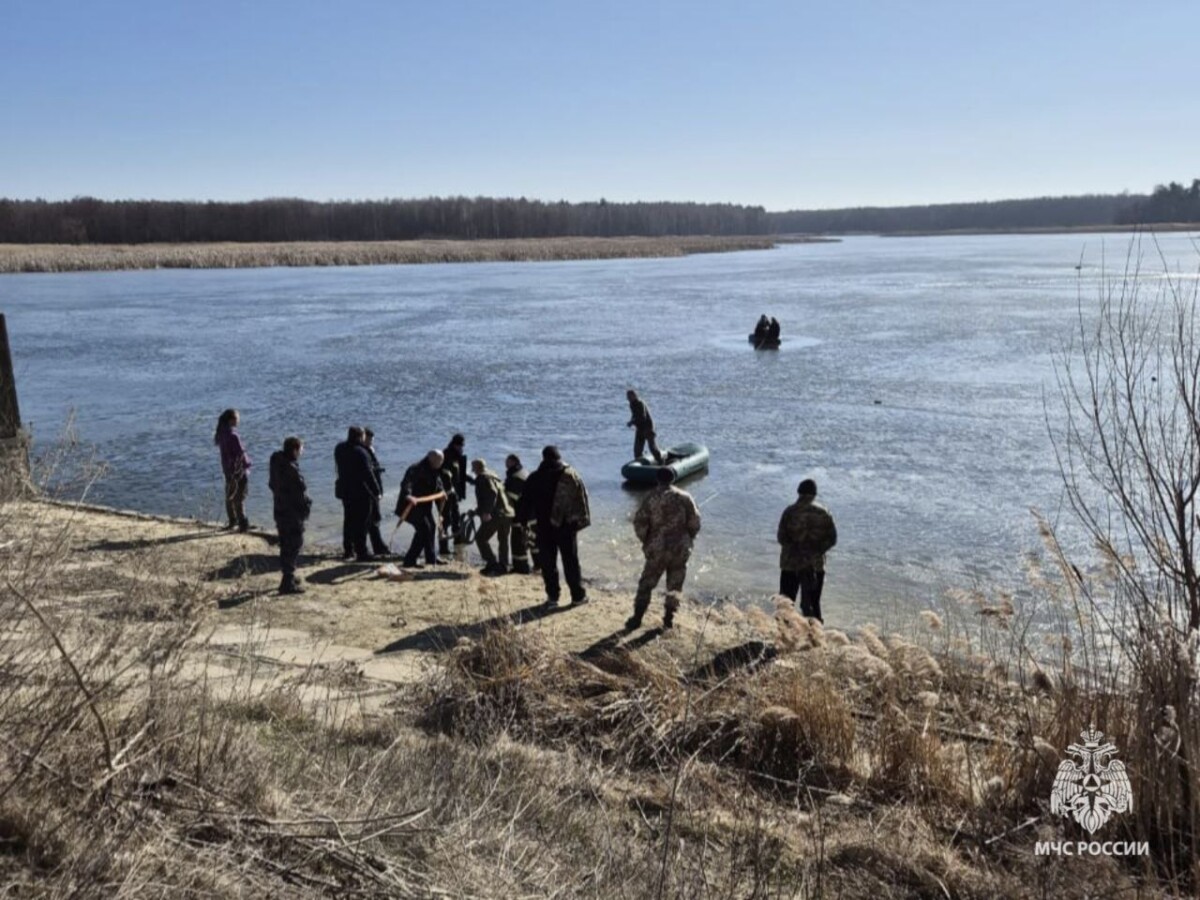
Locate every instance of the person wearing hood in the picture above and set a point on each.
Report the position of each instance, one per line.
(806, 533)
(556, 498)
(495, 517)
(235, 464)
(292, 507)
(760, 330)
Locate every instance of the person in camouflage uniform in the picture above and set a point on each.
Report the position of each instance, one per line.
(556, 498)
(666, 523)
(521, 535)
(806, 532)
(495, 517)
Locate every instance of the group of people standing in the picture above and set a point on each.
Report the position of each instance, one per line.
(535, 517)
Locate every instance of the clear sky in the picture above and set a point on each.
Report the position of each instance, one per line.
(790, 105)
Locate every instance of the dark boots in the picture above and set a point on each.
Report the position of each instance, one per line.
(635, 621)
(290, 585)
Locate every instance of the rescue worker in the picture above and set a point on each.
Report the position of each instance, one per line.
(454, 480)
(422, 479)
(520, 534)
(666, 523)
(773, 331)
(641, 419)
(292, 507)
(760, 330)
(495, 517)
(806, 532)
(556, 497)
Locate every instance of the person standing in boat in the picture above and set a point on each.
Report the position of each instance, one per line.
(773, 331)
(666, 523)
(235, 464)
(761, 329)
(556, 497)
(806, 533)
(641, 419)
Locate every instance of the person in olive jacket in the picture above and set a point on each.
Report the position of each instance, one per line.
(495, 517)
(292, 507)
(806, 533)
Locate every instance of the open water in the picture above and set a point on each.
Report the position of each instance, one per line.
(910, 385)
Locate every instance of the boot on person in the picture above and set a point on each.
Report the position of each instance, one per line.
(672, 605)
(634, 622)
(290, 585)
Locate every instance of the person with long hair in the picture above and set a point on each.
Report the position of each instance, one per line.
(235, 463)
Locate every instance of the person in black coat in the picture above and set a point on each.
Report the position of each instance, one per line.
(357, 488)
(773, 331)
(292, 507)
(422, 479)
(378, 546)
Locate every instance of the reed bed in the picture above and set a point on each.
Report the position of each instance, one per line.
(92, 257)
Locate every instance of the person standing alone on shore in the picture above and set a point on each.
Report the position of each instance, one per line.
(806, 533)
(641, 419)
(292, 507)
(235, 463)
(666, 523)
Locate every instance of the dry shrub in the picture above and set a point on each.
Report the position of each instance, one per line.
(809, 738)
(907, 763)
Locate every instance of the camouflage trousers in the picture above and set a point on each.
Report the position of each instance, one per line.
(674, 566)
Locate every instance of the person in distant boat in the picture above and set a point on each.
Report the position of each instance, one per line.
(760, 330)
(292, 507)
(641, 419)
(235, 463)
(556, 497)
(666, 523)
(378, 546)
(773, 331)
(806, 533)
(495, 517)
(421, 480)
(514, 486)
(358, 489)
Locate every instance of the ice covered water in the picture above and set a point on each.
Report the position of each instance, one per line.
(909, 385)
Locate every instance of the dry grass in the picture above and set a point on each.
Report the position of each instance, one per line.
(803, 763)
(94, 257)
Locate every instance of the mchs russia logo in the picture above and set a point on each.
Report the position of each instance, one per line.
(1091, 788)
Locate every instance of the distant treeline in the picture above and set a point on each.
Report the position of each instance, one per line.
(1169, 203)
(1040, 212)
(89, 221)
(86, 220)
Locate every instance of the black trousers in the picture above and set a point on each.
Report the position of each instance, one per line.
(291, 539)
(356, 520)
(550, 543)
(424, 534)
(378, 545)
(808, 583)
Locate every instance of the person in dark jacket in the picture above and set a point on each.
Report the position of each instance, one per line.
(292, 507)
(773, 331)
(235, 464)
(761, 329)
(422, 479)
(378, 546)
(455, 479)
(519, 536)
(641, 419)
(806, 533)
(556, 497)
(357, 488)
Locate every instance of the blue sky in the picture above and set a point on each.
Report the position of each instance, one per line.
(790, 105)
